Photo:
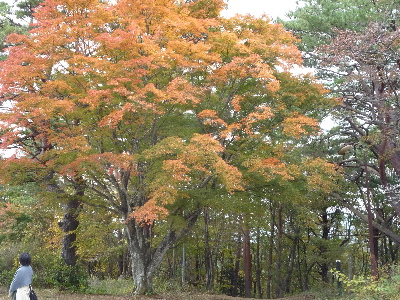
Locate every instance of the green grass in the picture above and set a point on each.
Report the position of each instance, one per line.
(110, 287)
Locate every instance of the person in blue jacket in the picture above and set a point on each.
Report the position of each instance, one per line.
(19, 288)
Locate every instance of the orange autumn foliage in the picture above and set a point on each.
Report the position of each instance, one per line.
(149, 100)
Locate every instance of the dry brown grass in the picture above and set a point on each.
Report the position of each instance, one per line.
(55, 295)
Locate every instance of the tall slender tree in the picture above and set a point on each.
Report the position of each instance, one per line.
(356, 46)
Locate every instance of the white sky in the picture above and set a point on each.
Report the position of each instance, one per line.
(272, 8)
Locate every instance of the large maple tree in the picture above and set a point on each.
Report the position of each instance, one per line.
(138, 106)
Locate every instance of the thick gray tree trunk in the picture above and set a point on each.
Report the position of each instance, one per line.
(68, 225)
(146, 257)
(70, 221)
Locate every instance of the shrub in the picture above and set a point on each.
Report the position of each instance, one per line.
(8, 264)
(55, 273)
(369, 288)
(71, 278)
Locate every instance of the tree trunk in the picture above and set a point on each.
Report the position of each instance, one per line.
(323, 249)
(122, 258)
(208, 253)
(279, 287)
(235, 277)
(247, 262)
(68, 225)
(292, 257)
(144, 257)
(270, 254)
(70, 222)
(258, 291)
(183, 266)
(374, 263)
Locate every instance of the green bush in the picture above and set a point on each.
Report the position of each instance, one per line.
(8, 264)
(51, 271)
(6, 277)
(368, 288)
(71, 278)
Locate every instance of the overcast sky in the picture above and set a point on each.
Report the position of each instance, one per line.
(273, 8)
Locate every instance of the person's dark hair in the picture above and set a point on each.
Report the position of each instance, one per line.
(25, 259)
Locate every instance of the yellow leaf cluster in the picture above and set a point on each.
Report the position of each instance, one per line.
(246, 35)
(242, 67)
(269, 168)
(210, 117)
(261, 113)
(153, 210)
(72, 142)
(298, 125)
(321, 175)
(194, 163)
